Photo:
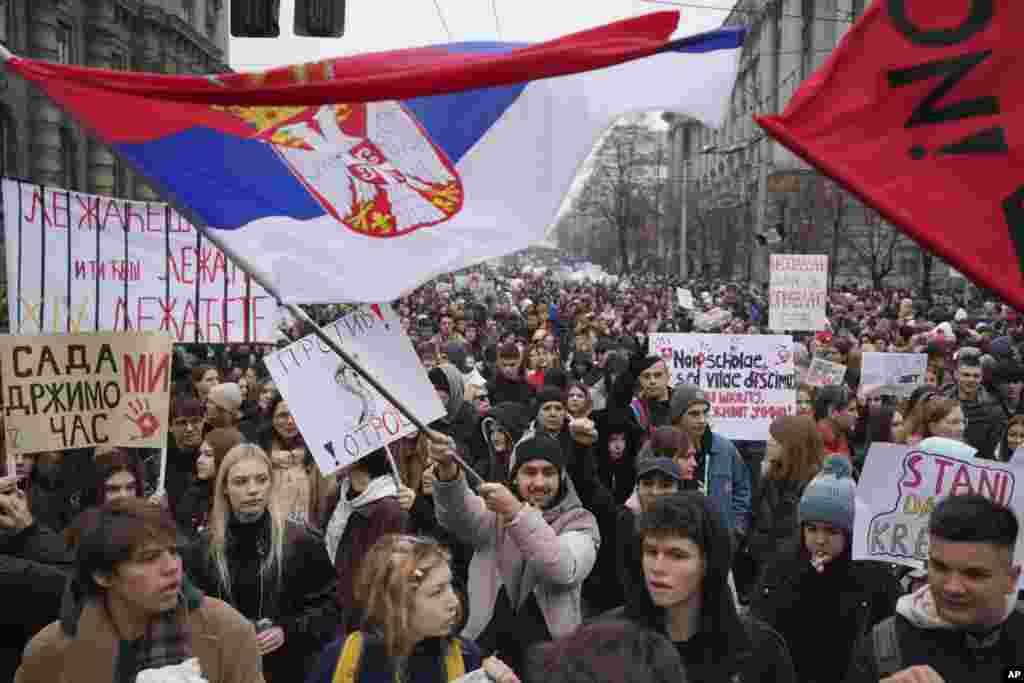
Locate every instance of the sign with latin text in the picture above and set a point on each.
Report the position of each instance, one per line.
(901, 485)
(749, 380)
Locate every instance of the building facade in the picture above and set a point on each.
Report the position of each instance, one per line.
(737, 196)
(38, 142)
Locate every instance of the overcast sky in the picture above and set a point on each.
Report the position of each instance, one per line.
(373, 25)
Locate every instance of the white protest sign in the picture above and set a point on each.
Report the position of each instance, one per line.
(79, 262)
(900, 486)
(749, 380)
(80, 390)
(798, 292)
(684, 298)
(895, 374)
(824, 373)
(341, 417)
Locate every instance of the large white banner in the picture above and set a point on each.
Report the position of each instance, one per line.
(900, 486)
(798, 292)
(895, 374)
(748, 379)
(340, 415)
(79, 262)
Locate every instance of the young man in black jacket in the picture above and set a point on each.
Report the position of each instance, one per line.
(685, 595)
(961, 625)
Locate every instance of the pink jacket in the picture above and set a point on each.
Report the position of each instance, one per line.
(548, 553)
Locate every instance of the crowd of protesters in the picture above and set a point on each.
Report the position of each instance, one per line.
(605, 532)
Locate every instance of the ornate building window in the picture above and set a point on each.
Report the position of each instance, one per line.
(69, 158)
(320, 18)
(255, 18)
(65, 44)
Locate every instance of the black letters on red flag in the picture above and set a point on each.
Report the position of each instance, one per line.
(919, 112)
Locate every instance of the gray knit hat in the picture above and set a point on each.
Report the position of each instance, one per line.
(684, 396)
(829, 497)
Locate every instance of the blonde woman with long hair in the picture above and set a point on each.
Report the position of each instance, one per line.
(412, 614)
(272, 570)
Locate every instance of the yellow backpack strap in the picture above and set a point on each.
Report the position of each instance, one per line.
(453, 663)
(348, 662)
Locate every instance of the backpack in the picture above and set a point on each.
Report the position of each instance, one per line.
(888, 659)
(347, 670)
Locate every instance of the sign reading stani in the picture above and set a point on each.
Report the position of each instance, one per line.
(80, 390)
(79, 262)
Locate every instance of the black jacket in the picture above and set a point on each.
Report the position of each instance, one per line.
(774, 518)
(34, 567)
(949, 652)
(500, 390)
(821, 616)
(726, 648)
(304, 605)
(514, 419)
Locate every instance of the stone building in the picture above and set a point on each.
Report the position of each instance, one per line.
(737, 183)
(38, 142)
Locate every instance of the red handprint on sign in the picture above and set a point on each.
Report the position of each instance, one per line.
(142, 417)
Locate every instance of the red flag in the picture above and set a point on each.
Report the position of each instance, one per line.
(920, 112)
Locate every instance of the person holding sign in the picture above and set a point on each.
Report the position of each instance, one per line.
(962, 625)
(413, 611)
(275, 572)
(811, 580)
(535, 545)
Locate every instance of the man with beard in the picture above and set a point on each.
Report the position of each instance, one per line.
(534, 545)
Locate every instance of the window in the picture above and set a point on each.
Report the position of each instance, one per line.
(255, 18)
(807, 37)
(320, 18)
(6, 7)
(118, 61)
(856, 8)
(189, 7)
(7, 165)
(65, 53)
(69, 158)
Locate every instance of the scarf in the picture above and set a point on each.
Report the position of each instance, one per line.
(381, 487)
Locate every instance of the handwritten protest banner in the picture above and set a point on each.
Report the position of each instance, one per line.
(894, 374)
(80, 262)
(340, 415)
(798, 291)
(900, 486)
(824, 373)
(748, 379)
(79, 390)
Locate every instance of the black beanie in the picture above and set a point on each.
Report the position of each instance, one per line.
(549, 394)
(439, 379)
(539, 447)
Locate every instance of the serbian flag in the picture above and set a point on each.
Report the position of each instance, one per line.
(357, 179)
(920, 112)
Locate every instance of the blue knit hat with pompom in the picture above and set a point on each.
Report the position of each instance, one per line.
(829, 497)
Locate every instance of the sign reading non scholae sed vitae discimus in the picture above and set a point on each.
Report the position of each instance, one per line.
(749, 380)
(81, 390)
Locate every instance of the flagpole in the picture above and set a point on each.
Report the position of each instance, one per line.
(300, 314)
